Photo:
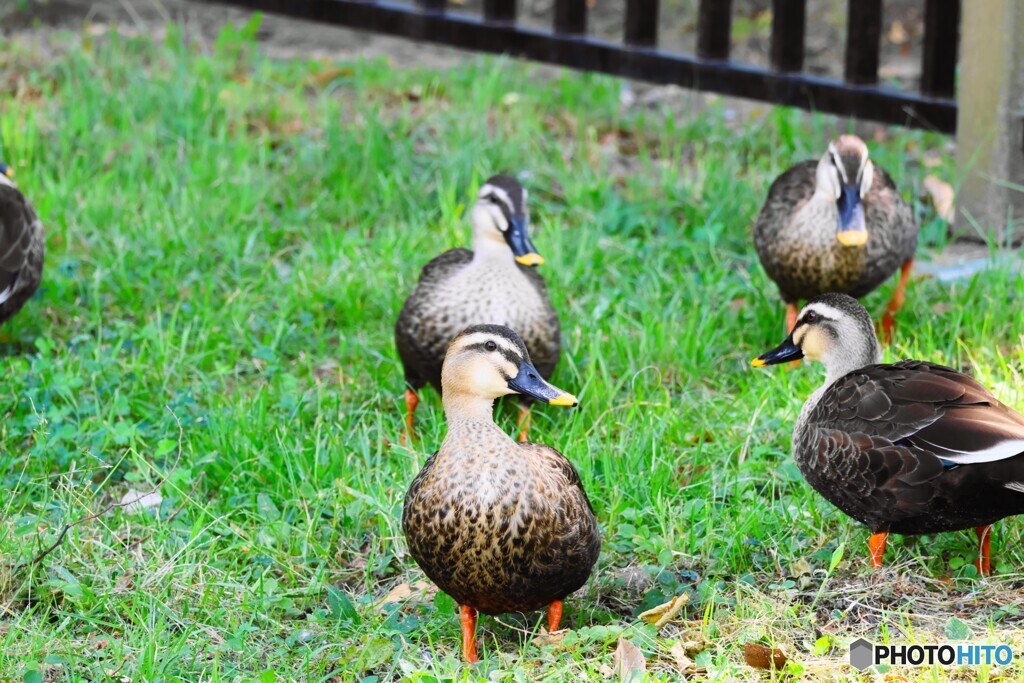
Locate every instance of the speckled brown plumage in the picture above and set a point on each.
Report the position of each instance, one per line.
(453, 292)
(500, 526)
(22, 248)
(795, 237)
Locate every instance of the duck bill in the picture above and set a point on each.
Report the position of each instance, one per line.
(529, 383)
(853, 231)
(519, 239)
(786, 351)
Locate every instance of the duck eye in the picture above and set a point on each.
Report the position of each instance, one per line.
(490, 346)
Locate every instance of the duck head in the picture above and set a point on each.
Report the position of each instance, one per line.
(6, 175)
(844, 176)
(833, 329)
(485, 362)
(500, 215)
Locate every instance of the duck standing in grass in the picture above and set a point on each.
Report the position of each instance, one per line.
(836, 225)
(498, 525)
(495, 283)
(22, 246)
(908, 448)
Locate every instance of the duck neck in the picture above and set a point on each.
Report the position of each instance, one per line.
(491, 248)
(464, 409)
(846, 360)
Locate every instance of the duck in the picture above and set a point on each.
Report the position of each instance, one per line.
(499, 525)
(909, 448)
(495, 282)
(837, 224)
(22, 247)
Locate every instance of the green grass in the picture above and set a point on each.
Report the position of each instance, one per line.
(229, 241)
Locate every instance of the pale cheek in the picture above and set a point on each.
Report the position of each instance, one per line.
(488, 382)
(498, 218)
(811, 346)
(867, 179)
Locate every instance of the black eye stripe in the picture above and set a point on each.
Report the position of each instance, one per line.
(812, 317)
(510, 356)
(506, 211)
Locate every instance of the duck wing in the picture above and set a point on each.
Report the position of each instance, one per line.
(19, 231)
(929, 407)
(545, 350)
(789, 192)
(565, 538)
(421, 362)
(442, 264)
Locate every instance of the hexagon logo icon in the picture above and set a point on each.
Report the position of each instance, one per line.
(862, 654)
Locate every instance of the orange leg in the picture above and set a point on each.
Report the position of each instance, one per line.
(554, 615)
(792, 311)
(411, 401)
(984, 563)
(876, 544)
(523, 422)
(896, 302)
(468, 618)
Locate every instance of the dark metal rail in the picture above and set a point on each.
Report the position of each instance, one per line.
(637, 57)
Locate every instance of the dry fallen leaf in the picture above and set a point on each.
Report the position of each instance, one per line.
(326, 77)
(403, 592)
(682, 660)
(135, 502)
(942, 197)
(897, 33)
(662, 614)
(547, 638)
(800, 567)
(694, 647)
(761, 657)
(628, 661)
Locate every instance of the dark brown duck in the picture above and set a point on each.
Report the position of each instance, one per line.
(22, 247)
(500, 526)
(496, 283)
(836, 225)
(907, 448)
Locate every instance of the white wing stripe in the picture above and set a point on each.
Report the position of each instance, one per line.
(1001, 451)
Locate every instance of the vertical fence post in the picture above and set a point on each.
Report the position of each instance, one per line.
(714, 29)
(500, 10)
(641, 23)
(863, 41)
(990, 123)
(789, 18)
(938, 54)
(571, 16)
